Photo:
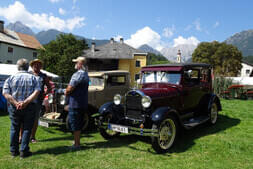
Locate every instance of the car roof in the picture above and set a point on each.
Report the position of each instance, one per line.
(175, 66)
(114, 72)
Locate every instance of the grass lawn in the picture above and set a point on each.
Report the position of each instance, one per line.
(226, 145)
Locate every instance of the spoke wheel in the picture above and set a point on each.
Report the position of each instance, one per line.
(214, 113)
(167, 135)
(106, 132)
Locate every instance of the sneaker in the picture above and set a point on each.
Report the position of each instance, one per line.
(15, 153)
(33, 140)
(24, 154)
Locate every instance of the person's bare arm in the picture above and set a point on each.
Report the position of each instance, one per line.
(29, 99)
(69, 90)
(10, 99)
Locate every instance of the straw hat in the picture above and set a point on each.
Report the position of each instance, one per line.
(79, 59)
(36, 61)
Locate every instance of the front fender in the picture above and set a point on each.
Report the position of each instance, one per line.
(110, 107)
(160, 114)
(214, 98)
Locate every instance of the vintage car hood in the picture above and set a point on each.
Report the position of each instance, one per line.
(95, 88)
(160, 90)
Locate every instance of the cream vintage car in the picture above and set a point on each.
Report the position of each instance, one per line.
(102, 88)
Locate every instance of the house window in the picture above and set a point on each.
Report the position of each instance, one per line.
(247, 71)
(34, 55)
(10, 50)
(138, 63)
(137, 77)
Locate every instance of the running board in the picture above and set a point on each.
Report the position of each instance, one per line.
(192, 122)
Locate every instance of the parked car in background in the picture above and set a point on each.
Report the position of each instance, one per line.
(102, 88)
(171, 96)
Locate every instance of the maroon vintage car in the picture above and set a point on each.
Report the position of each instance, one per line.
(170, 96)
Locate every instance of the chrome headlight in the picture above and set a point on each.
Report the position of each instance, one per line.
(117, 99)
(62, 99)
(146, 101)
(50, 98)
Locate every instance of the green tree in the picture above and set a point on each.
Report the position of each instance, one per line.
(226, 59)
(58, 54)
(153, 59)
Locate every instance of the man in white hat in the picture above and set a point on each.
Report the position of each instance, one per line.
(77, 91)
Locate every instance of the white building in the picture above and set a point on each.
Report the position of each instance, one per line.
(246, 70)
(14, 46)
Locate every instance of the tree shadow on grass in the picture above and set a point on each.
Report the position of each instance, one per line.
(186, 138)
(117, 142)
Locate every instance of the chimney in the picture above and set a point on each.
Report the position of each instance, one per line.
(1, 26)
(112, 41)
(93, 45)
(121, 40)
(179, 56)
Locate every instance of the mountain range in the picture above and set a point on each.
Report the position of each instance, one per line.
(243, 41)
(44, 37)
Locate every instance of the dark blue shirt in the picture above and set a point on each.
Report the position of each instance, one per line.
(79, 97)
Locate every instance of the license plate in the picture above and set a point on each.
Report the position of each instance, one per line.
(44, 124)
(119, 128)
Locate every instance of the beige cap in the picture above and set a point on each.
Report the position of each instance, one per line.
(36, 61)
(79, 59)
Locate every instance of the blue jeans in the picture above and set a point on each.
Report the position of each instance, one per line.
(18, 117)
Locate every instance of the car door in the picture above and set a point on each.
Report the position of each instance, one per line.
(191, 90)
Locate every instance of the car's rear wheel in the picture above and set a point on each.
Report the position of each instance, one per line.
(86, 121)
(213, 113)
(167, 133)
(106, 132)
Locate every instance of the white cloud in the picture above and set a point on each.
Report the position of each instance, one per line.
(168, 32)
(18, 12)
(216, 24)
(196, 23)
(180, 41)
(62, 11)
(145, 36)
(54, 1)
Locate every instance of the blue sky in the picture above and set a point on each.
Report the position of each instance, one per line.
(159, 23)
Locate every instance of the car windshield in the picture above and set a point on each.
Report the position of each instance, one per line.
(161, 77)
(96, 81)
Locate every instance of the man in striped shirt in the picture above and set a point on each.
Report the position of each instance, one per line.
(21, 90)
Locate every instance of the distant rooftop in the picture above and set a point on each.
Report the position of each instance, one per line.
(19, 39)
(112, 50)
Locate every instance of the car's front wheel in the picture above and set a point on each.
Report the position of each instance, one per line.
(106, 132)
(167, 133)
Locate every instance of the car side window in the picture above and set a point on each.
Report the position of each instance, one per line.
(118, 80)
(191, 77)
(205, 75)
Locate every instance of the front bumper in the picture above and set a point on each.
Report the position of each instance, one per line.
(130, 129)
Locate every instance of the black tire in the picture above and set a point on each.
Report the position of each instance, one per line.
(67, 122)
(164, 141)
(213, 113)
(107, 133)
(86, 121)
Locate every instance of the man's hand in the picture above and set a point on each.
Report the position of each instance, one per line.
(69, 90)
